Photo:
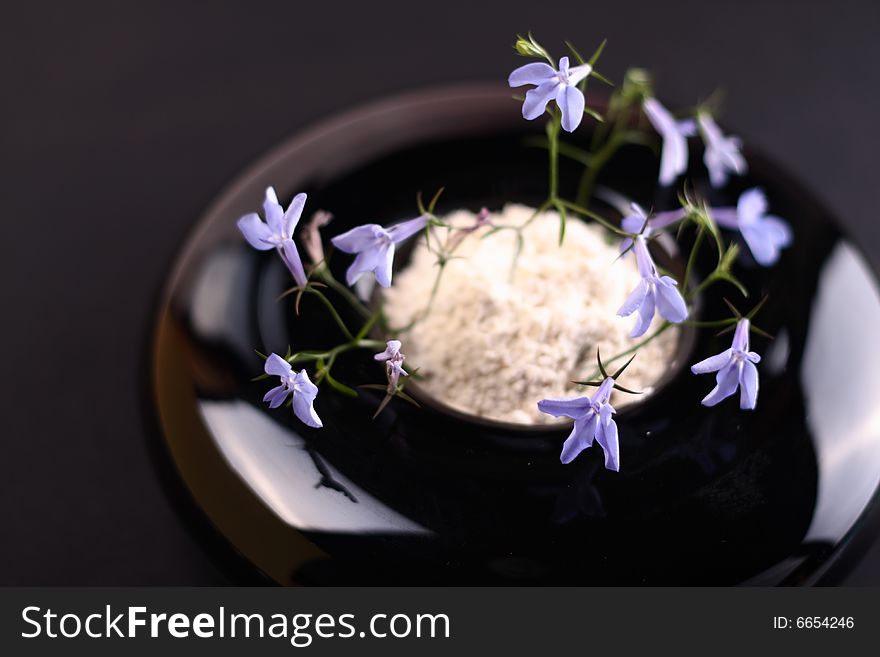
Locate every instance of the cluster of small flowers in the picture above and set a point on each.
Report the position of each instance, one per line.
(765, 235)
(374, 248)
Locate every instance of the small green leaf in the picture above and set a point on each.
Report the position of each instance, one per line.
(286, 293)
(595, 74)
(754, 311)
(733, 308)
(406, 397)
(373, 386)
(598, 52)
(577, 55)
(601, 366)
(340, 387)
(589, 111)
(761, 332)
(730, 278)
(382, 406)
(625, 365)
(434, 200)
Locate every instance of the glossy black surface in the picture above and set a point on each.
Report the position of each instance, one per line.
(704, 496)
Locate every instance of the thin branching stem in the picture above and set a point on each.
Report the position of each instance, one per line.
(688, 272)
(333, 313)
(598, 160)
(323, 272)
(641, 343)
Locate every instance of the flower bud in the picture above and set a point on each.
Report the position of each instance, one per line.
(528, 47)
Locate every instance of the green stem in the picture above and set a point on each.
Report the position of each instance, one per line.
(565, 150)
(692, 258)
(553, 128)
(323, 272)
(440, 267)
(721, 323)
(331, 354)
(332, 311)
(623, 354)
(537, 213)
(598, 161)
(706, 282)
(602, 129)
(517, 252)
(519, 233)
(594, 216)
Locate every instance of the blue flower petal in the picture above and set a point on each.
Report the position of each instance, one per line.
(537, 99)
(573, 408)
(257, 233)
(726, 384)
(580, 438)
(670, 303)
(277, 366)
(606, 436)
(748, 381)
(294, 263)
(357, 239)
(712, 363)
(535, 73)
(276, 396)
(293, 213)
(571, 102)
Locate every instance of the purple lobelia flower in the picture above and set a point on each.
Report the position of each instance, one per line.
(674, 156)
(638, 222)
(551, 84)
(736, 368)
(393, 358)
(765, 235)
(295, 383)
(592, 421)
(374, 247)
(722, 154)
(654, 292)
(277, 231)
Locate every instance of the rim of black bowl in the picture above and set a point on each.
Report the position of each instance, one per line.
(207, 476)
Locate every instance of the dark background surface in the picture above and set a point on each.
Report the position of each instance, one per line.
(121, 123)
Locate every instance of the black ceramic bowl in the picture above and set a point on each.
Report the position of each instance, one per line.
(704, 496)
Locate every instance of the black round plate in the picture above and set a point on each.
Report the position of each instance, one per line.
(704, 496)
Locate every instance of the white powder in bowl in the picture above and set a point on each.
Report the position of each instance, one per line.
(493, 345)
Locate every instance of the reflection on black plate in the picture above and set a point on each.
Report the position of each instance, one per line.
(704, 496)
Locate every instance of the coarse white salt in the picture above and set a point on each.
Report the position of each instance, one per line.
(494, 344)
